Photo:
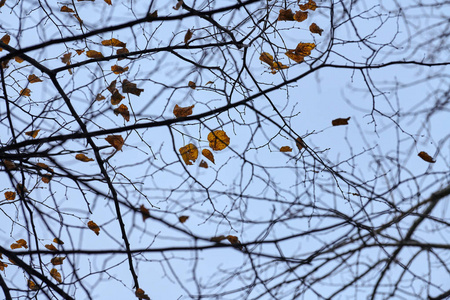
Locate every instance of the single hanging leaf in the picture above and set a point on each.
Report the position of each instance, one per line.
(278, 66)
(294, 56)
(51, 247)
(153, 14)
(286, 149)
(208, 154)
(116, 98)
(145, 212)
(56, 275)
(67, 9)
(2, 2)
(178, 5)
(180, 112)
(203, 164)
(10, 195)
(108, 2)
(123, 111)
(266, 58)
(100, 97)
(304, 49)
(32, 286)
(112, 87)
(122, 51)
(116, 141)
(33, 133)
(33, 79)
(340, 121)
(43, 166)
(426, 157)
(118, 69)
(188, 36)
(46, 178)
(18, 59)
(300, 144)
(58, 260)
(58, 241)
(300, 16)
(19, 244)
(218, 140)
(25, 92)
(234, 241)
(2, 266)
(94, 227)
(140, 293)
(79, 52)
(78, 18)
(315, 29)
(192, 85)
(189, 153)
(83, 157)
(114, 42)
(285, 15)
(5, 39)
(310, 5)
(94, 54)
(183, 219)
(129, 87)
(218, 239)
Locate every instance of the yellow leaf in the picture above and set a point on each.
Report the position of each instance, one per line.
(300, 144)
(140, 293)
(65, 59)
(19, 244)
(32, 133)
(2, 266)
(118, 69)
(145, 212)
(310, 5)
(300, 16)
(25, 92)
(67, 9)
(189, 153)
(122, 51)
(51, 247)
(32, 286)
(180, 112)
(116, 141)
(10, 195)
(218, 140)
(94, 54)
(294, 56)
(56, 275)
(286, 149)
(187, 36)
(203, 164)
(267, 58)
(314, 28)
(18, 59)
(426, 157)
(116, 98)
(114, 42)
(100, 97)
(286, 15)
(58, 260)
(108, 2)
(83, 157)
(340, 121)
(192, 85)
(123, 110)
(129, 87)
(218, 239)
(208, 154)
(58, 241)
(94, 227)
(234, 241)
(5, 39)
(304, 49)
(278, 66)
(183, 219)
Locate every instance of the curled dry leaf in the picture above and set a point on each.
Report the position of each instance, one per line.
(340, 121)
(51, 247)
(43, 166)
(116, 98)
(123, 111)
(314, 28)
(208, 154)
(33, 79)
(3, 266)
(58, 241)
(178, 5)
(46, 178)
(266, 58)
(18, 59)
(183, 219)
(118, 69)
(122, 51)
(311, 5)
(285, 15)
(114, 42)
(145, 212)
(25, 92)
(426, 157)
(203, 164)
(83, 157)
(10, 195)
(153, 14)
(192, 85)
(66, 9)
(112, 87)
(100, 97)
(189, 153)
(5, 39)
(304, 49)
(21, 189)
(94, 227)
(218, 140)
(19, 244)
(9, 164)
(65, 59)
(94, 54)
(80, 51)
(129, 87)
(300, 16)
(58, 260)
(33, 133)
(188, 36)
(140, 293)
(234, 241)
(56, 275)
(299, 143)
(180, 112)
(108, 2)
(116, 141)
(32, 286)
(286, 149)
(218, 239)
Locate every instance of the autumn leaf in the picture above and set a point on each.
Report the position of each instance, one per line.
(19, 244)
(78, 19)
(18, 59)
(51, 247)
(286, 149)
(100, 97)
(65, 59)
(32, 286)
(129, 87)
(2, 2)
(58, 260)
(278, 66)
(94, 227)
(203, 164)
(3, 266)
(112, 87)
(426, 157)
(314, 28)
(58, 241)
(21, 189)
(114, 42)
(192, 85)
(33, 79)
(9, 164)
(108, 2)
(32, 133)
(340, 121)
(300, 144)
(294, 56)
(189, 153)
(267, 58)
(208, 154)
(116, 141)
(122, 51)
(300, 16)
(83, 157)
(80, 51)
(123, 111)
(56, 275)
(140, 293)
(218, 140)
(153, 14)
(46, 178)
(234, 241)
(187, 36)
(94, 54)
(178, 5)
(180, 112)
(118, 69)
(145, 212)
(43, 166)
(67, 9)
(304, 49)
(25, 92)
(116, 98)
(10, 195)
(310, 5)
(5, 39)
(209, 82)
(183, 219)
(285, 15)
(218, 239)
